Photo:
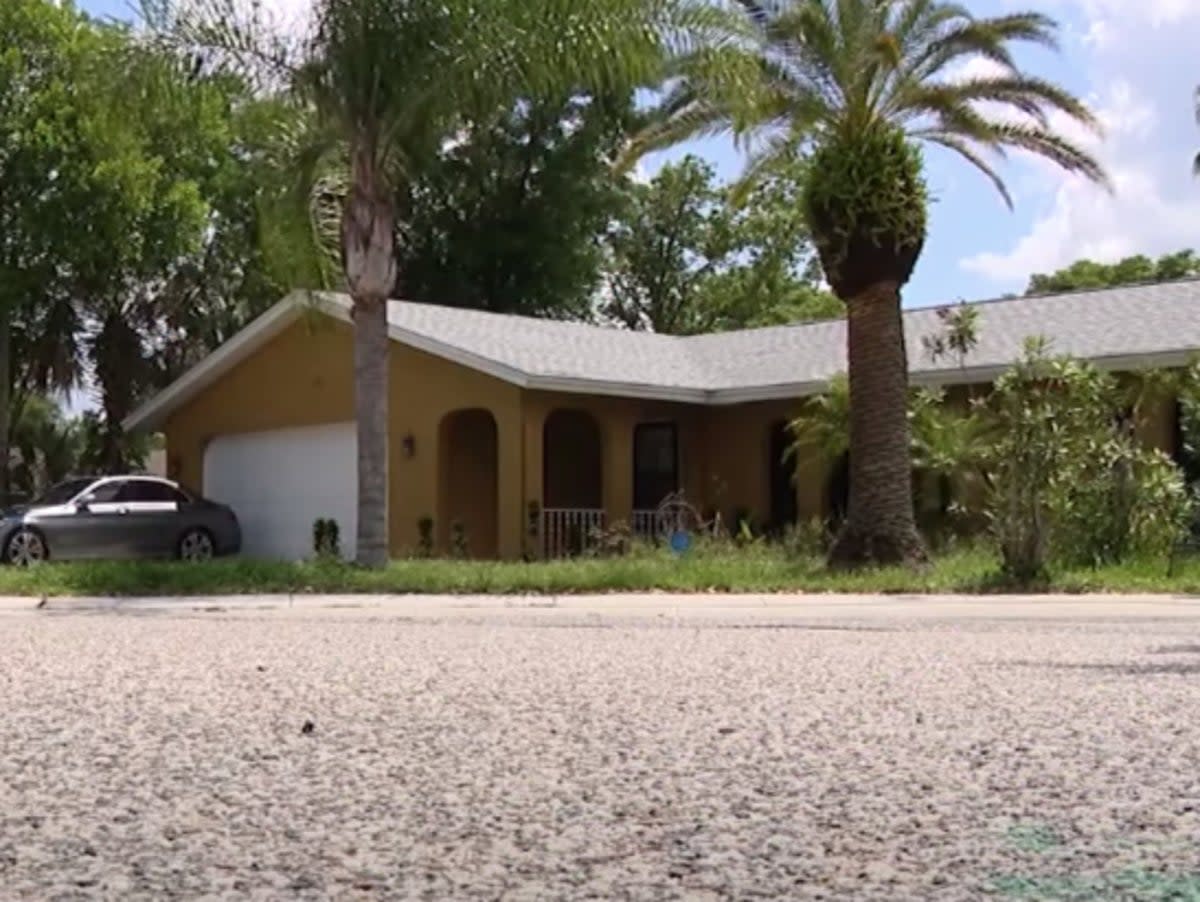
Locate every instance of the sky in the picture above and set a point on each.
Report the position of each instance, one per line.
(1134, 62)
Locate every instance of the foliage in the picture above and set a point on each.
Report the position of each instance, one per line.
(509, 217)
(425, 537)
(959, 334)
(1070, 479)
(856, 81)
(690, 257)
(867, 191)
(327, 541)
(458, 539)
(1088, 274)
(710, 567)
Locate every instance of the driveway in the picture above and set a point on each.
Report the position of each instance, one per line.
(641, 747)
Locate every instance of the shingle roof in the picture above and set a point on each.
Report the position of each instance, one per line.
(1121, 328)
(1120, 325)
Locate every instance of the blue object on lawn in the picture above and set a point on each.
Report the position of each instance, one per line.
(681, 542)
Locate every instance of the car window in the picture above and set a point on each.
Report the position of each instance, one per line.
(63, 492)
(103, 494)
(148, 490)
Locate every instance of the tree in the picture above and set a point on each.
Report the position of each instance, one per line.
(860, 84)
(1088, 274)
(509, 218)
(38, 118)
(388, 85)
(687, 256)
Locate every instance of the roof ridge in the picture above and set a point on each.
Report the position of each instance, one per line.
(1057, 295)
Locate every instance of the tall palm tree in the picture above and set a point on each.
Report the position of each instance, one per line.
(859, 85)
(387, 85)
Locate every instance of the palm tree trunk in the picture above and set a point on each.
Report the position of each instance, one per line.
(880, 527)
(371, 413)
(369, 260)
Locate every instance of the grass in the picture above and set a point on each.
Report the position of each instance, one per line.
(709, 570)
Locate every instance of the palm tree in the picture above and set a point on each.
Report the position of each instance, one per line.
(859, 85)
(386, 86)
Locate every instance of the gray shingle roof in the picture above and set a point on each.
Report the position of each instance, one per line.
(1120, 325)
(1123, 328)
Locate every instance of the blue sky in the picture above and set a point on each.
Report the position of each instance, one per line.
(1131, 59)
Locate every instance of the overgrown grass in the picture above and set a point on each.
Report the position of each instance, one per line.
(711, 570)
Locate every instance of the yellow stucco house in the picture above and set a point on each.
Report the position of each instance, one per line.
(530, 432)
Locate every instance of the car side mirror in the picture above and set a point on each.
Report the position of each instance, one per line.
(83, 506)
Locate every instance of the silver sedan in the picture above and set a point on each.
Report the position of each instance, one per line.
(118, 517)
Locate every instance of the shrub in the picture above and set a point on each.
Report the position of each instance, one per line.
(1069, 479)
(425, 537)
(327, 539)
(458, 539)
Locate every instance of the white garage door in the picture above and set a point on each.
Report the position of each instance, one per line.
(279, 482)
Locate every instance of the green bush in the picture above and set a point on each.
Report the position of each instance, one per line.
(327, 539)
(1070, 480)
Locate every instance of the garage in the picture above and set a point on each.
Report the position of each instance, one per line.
(279, 482)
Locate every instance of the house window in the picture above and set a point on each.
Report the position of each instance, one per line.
(655, 464)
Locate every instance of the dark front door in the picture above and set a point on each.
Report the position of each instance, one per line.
(781, 467)
(655, 464)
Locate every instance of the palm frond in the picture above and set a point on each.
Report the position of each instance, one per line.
(964, 150)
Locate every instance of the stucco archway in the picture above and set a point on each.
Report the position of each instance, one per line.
(468, 482)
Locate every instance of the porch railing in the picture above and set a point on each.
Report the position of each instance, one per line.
(647, 524)
(568, 531)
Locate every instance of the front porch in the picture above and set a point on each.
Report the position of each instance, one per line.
(589, 465)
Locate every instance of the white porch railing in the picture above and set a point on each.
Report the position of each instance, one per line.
(569, 530)
(647, 524)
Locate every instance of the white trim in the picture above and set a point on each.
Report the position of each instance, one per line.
(152, 414)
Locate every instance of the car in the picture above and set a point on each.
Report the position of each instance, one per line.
(118, 517)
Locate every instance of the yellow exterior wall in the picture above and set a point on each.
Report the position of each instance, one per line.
(304, 377)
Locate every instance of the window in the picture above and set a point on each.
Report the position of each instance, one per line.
(63, 492)
(655, 464)
(105, 493)
(149, 490)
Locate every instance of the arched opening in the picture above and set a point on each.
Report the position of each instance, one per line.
(468, 489)
(572, 481)
(781, 470)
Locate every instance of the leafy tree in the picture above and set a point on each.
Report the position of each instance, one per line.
(857, 83)
(1087, 274)
(43, 47)
(388, 85)
(689, 257)
(1070, 479)
(508, 218)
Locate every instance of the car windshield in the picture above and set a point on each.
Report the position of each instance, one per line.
(63, 492)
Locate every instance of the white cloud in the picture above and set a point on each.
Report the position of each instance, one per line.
(1132, 54)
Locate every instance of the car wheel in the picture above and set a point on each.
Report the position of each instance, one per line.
(26, 548)
(196, 545)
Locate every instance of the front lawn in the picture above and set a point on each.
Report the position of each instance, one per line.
(729, 570)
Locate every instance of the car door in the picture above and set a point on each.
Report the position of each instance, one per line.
(88, 529)
(149, 512)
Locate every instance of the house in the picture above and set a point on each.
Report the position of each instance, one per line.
(522, 434)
